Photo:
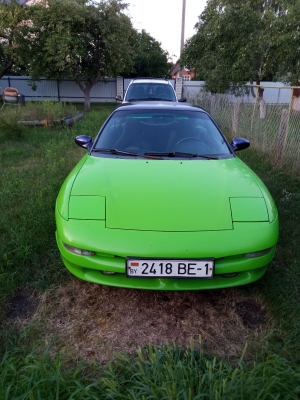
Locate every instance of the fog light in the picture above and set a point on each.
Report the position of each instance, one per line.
(258, 253)
(79, 252)
(107, 272)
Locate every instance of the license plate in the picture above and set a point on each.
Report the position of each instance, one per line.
(154, 268)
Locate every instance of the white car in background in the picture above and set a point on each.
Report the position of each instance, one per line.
(150, 89)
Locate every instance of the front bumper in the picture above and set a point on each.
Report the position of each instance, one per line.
(112, 246)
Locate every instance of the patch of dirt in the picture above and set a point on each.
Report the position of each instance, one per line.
(96, 321)
(22, 305)
(252, 313)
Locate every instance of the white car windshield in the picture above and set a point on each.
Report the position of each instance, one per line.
(150, 91)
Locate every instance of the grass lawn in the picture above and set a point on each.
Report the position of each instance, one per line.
(59, 336)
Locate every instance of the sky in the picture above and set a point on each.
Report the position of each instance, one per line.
(162, 20)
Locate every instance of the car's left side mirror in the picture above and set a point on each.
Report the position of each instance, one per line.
(119, 98)
(84, 141)
(239, 144)
(182, 99)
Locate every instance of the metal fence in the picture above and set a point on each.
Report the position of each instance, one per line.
(64, 90)
(271, 122)
(274, 92)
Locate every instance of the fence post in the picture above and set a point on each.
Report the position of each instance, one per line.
(282, 133)
(58, 94)
(254, 106)
(213, 105)
(120, 86)
(235, 119)
(262, 108)
(178, 87)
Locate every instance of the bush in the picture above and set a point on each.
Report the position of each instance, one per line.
(9, 123)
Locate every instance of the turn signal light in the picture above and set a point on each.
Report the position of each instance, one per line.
(258, 253)
(79, 252)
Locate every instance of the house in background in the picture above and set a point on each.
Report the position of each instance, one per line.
(187, 75)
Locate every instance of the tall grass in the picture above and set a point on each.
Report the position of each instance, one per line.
(280, 285)
(32, 170)
(163, 373)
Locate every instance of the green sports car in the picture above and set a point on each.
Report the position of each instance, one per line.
(161, 202)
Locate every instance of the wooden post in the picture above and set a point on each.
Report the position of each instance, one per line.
(282, 133)
(235, 118)
(262, 108)
(212, 105)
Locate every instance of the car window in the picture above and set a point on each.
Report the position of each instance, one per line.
(162, 131)
(150, 91)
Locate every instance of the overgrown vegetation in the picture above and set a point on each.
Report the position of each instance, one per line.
(9, 123)
(33, 168)
(165, 372)
(10, 116)
(240, 41)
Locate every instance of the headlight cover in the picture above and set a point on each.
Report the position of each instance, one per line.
(258, 253)
(79, 252)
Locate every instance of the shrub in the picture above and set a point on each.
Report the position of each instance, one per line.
(9, 123)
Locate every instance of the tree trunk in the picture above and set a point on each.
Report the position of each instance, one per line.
(6, 67)
(260, 90)
(87, 100)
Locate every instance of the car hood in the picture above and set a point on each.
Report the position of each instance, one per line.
(169, 195)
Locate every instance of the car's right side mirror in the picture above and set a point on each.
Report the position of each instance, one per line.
(239, 144)
(119, 98)
(182, 99)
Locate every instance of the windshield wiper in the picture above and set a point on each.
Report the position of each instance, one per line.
(181, 154)
(157, 99)
(141, 99)
(128, 153)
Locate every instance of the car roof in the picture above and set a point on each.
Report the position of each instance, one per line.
(159, 105)
(151, 80)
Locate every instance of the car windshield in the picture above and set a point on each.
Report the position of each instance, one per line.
(150, 91)
(162, 133)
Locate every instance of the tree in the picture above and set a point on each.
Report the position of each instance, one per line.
(287, 42)
(81, 40)
(149, 59)
(12, 32)
(235, 42)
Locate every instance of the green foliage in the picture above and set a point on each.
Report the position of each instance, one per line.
(171, 372)
(163, 373)
(52, 111)
(286, 40)
(33, 169)
(149, 59)
(9, 122)
(81, 40)
(37, 376)
(12, 33)
(241, 41)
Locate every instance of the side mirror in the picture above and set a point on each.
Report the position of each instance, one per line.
(119, 98)
(84, 141)
(239, 144)
(182, 99)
